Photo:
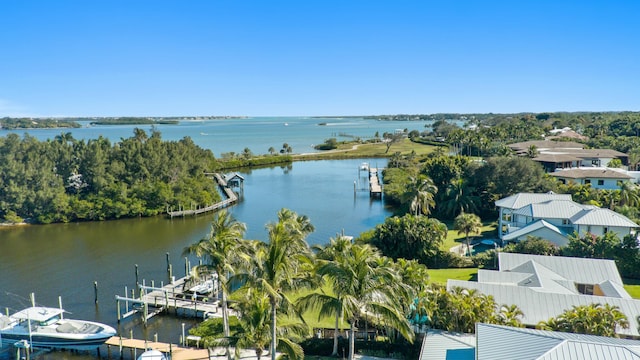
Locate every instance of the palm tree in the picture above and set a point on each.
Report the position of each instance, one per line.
(254, 328)
(64, 138)
(594, 319)
(422, 192)
(221, 251)
(459, 198)
(330, 304)
(629, 194)
(362, 287)
(467, 224)
(510, 315)
(281, 265)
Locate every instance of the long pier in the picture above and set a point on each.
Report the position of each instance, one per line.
(228, 192)
(171, 297)
(375, 187)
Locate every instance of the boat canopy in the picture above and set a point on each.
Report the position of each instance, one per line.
(39, 314)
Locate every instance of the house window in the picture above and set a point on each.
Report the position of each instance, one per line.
(587, 181)
(563, 181)
(600, 182)
(605, 230)
(586, 289)
(565, 221)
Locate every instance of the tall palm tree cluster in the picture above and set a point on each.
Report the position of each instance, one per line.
(345, 280)
(460, 309)
(594, 319)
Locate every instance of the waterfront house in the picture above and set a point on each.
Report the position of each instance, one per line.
(597, 178)
(567, 154)
(555, 217)
(545, 286)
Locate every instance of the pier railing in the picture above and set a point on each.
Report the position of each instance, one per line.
(231, 199)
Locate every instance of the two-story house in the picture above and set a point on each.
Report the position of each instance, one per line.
(555, 217)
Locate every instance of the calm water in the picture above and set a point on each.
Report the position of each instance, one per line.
(65, 259)
(258, 134)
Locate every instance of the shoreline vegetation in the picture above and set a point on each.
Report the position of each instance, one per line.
(22, 123)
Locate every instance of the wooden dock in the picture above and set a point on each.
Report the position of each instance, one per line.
(231, 199)
(166, 299)
(174, 352)
(375, 186)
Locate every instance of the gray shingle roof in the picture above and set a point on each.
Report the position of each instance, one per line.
(582, 173)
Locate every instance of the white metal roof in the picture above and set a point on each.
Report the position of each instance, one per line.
(533, 227)
(521, 199)
(602, 217)
(495, 342)
(443, 345)
(580, 270)
(540, 306)
(551, 209)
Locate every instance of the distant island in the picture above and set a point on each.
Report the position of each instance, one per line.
(31, 123)
(8, 123)
(134, 121)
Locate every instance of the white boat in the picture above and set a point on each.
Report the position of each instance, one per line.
(152, 355)
(204, 288)
(364, 166)
(44, 327)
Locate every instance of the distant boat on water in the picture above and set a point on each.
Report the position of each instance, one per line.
(286, 124)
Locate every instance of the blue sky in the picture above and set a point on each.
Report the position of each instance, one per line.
(289, 58)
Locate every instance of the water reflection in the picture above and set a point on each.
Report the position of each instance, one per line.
(65, 259)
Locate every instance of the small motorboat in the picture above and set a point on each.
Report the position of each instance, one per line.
(151, 354)
(44, 327)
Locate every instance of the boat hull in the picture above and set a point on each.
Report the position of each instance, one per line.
(44, 341)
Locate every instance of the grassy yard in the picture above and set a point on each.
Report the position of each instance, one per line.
(347, 150)
(453, 238)
(440, 276)
(633, 287)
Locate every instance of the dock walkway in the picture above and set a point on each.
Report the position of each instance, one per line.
(175, 352)
(169, 298)
(228, 192)
(375, 188)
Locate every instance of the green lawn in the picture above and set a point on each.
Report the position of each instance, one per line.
(441, 276)
(453, 238)
(405, 147)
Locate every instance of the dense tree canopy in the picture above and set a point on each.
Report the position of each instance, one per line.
(65, 179)
(410, 237)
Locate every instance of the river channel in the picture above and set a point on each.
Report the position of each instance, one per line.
(66, 259)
